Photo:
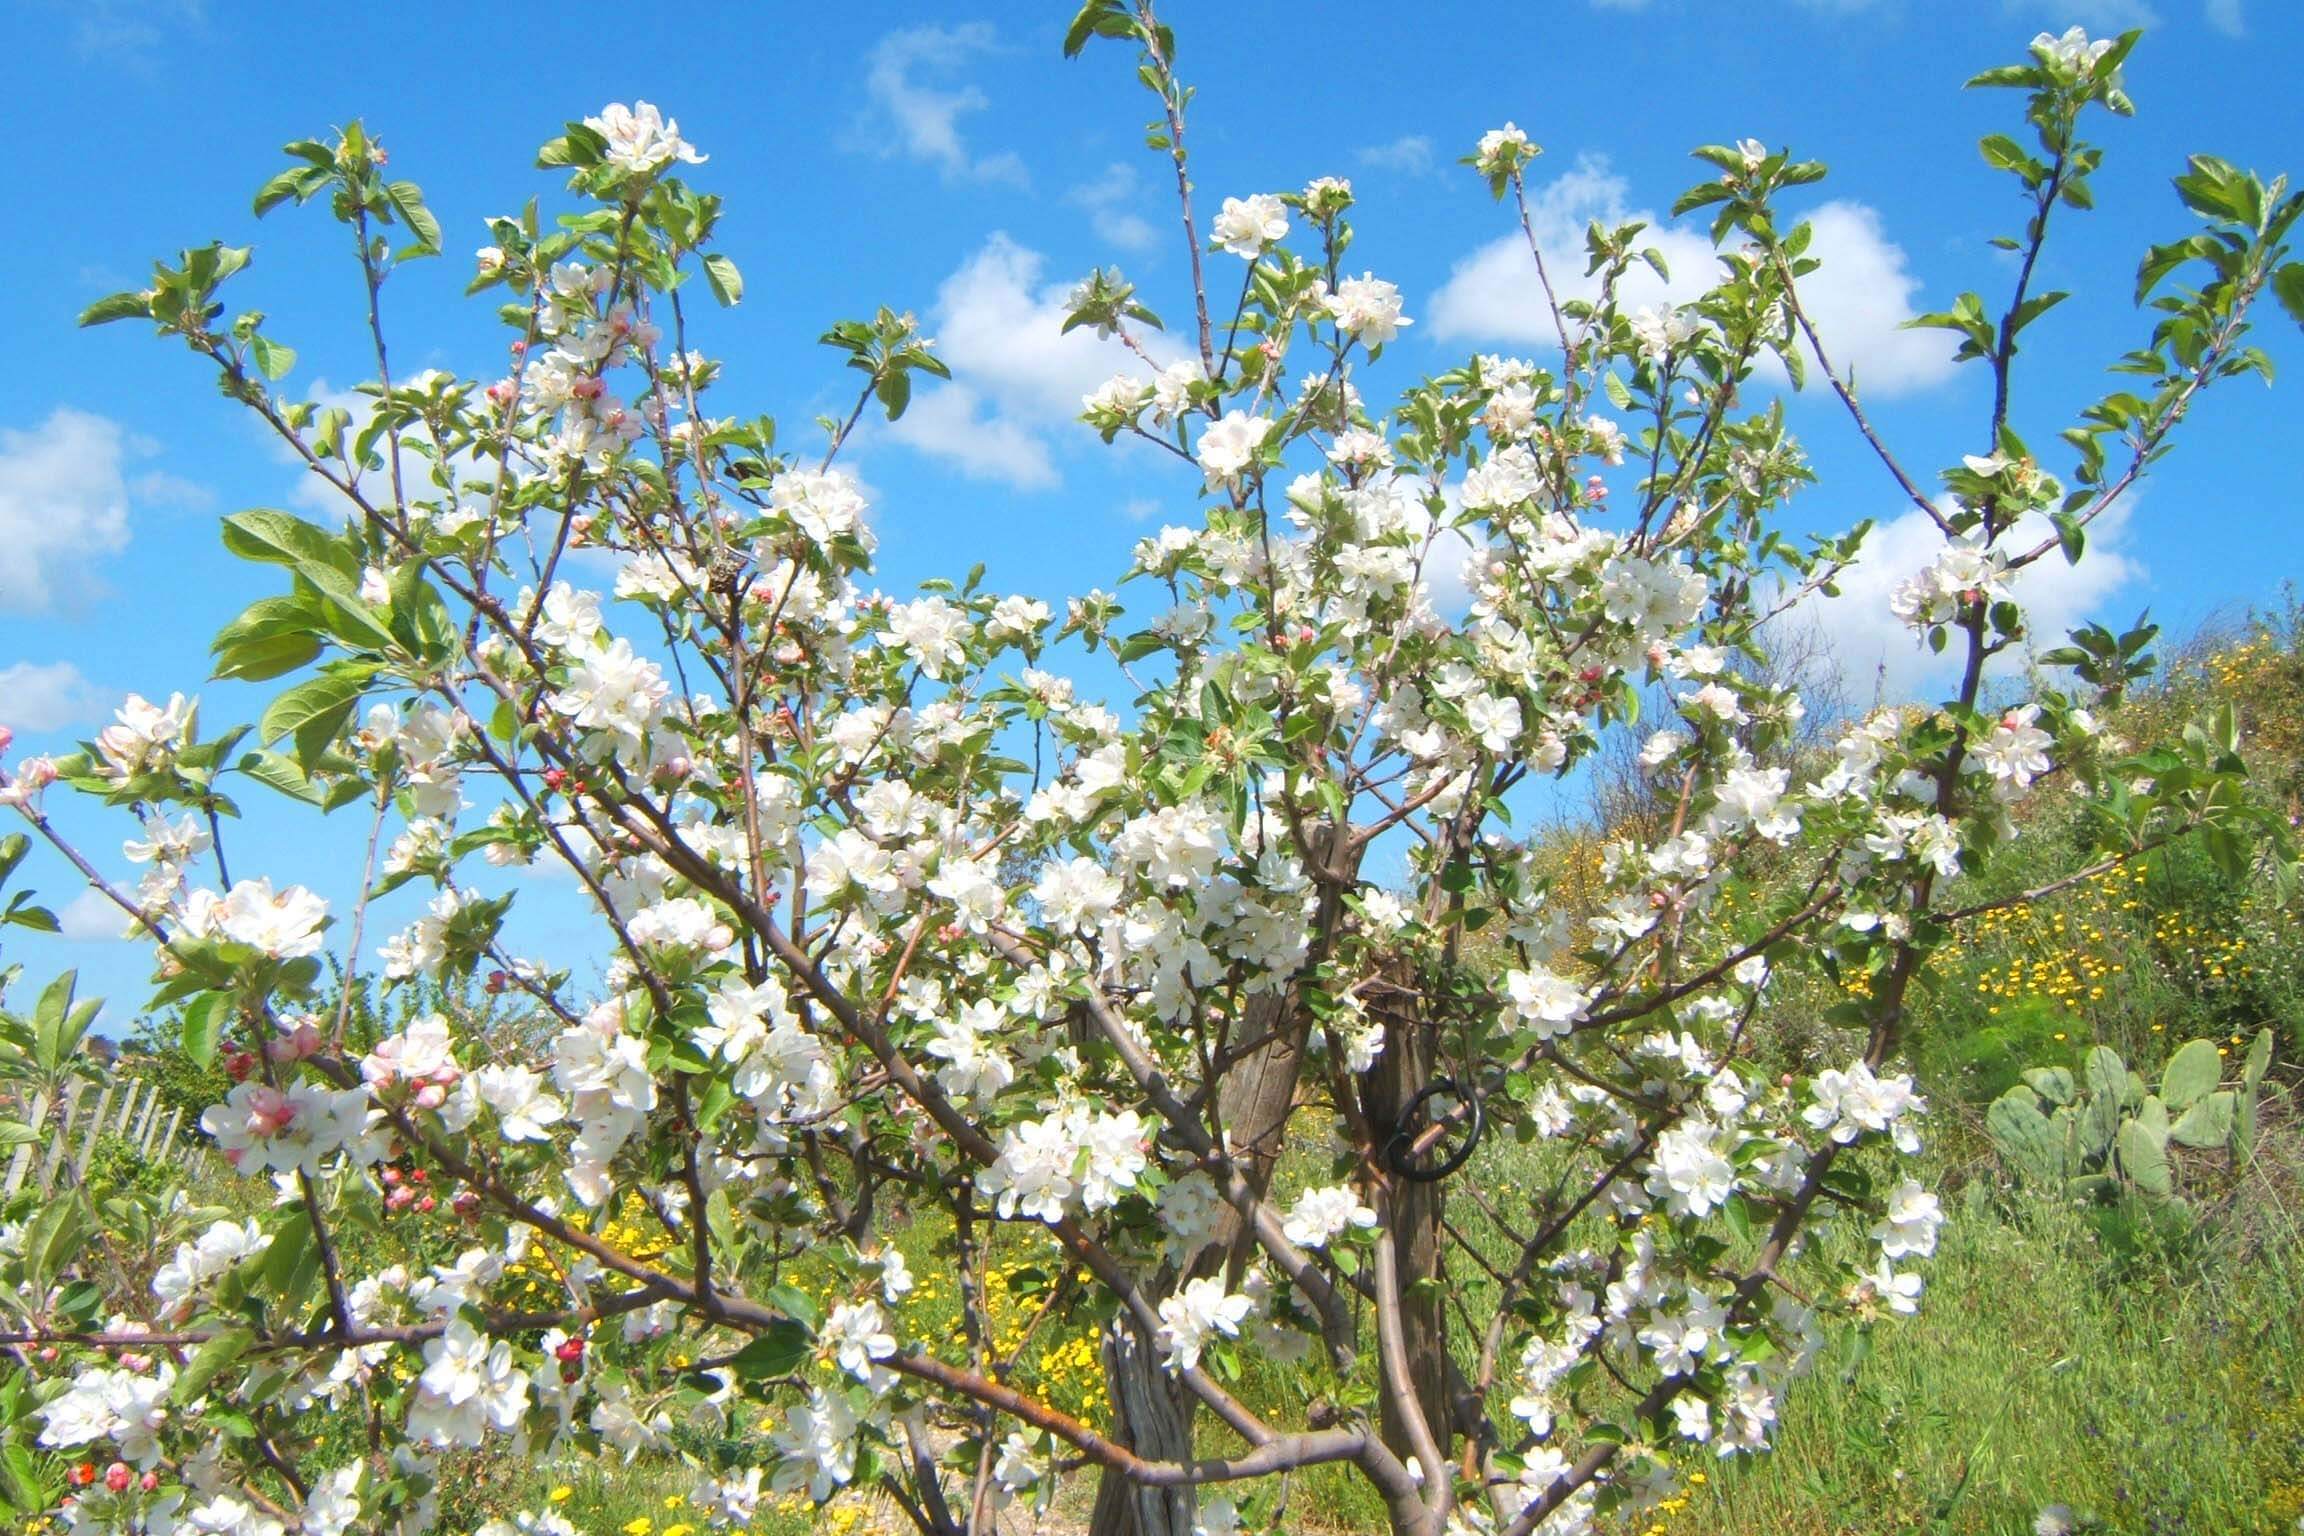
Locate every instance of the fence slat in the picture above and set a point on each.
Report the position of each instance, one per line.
(21, 1163)
(152, 1126)
(58, 1145)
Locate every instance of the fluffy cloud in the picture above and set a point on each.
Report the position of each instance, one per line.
(132, 32)
(50, 697)
(2104, 17)
(956, 424)
(1015, 375)
(64, 501)
(1412, 156)
(1877, 657)
(91, 918)
(1111, 204)
(2098, 16)
(910, 115)
(1859, 298)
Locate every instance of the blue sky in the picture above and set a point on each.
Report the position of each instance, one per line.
(948, 160)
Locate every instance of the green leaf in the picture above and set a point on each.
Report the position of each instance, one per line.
(54, 1038)
(209, 1361)
(20, 1480)
(726, 282)
(283, 774)
(2036, 306)
(117, 306)
(315, 710)
(279, 538)
(289, 183)
(272, 359)
(894, 392)
(408, 199)
(2003, 153)
(22, 914)
(579, 146)
(56, 1235)
(2071, 536)
(204, 1019)
(292, 1263)
(257, 661)
(778, 1351)
(2287, 284)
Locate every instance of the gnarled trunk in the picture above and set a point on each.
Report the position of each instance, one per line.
(1153, 1417)
(1253, 1104)
(1386, 1090)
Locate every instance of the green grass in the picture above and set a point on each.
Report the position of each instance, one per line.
(2158, 1394)
(2053, 1361)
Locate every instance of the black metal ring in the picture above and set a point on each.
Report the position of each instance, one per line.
(1396, 1150)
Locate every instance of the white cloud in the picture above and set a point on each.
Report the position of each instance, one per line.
(63, 504)
(1877, 655)
(912, 116)
(131, 31)
(2098, 16)
(91, 918)
(1110, 201)
(2225, 16)
(47, 697)
(1859, 298)
(1411, 156)
(1493, 293)
(158, 488)
(1015, 375)
(953, 423)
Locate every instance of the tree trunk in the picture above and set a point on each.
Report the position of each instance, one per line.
(1402, 1072)
(1254, 1103)
(1153, 1417)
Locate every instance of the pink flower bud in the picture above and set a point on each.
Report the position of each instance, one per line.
(431, 1096)
(118, 1476)
(270, 1111)
(7, 738)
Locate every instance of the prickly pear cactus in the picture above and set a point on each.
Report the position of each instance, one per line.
(2107, 1132)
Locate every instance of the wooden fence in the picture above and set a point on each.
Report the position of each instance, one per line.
(88, 1111)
